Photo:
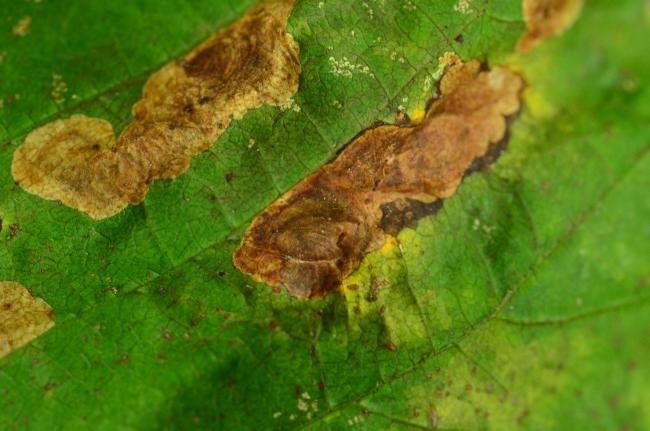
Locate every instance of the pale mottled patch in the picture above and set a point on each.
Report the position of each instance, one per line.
(22, 317)
(546, 18)
(316, 234)
(185, 107)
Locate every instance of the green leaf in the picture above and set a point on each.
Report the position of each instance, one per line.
(523, 303)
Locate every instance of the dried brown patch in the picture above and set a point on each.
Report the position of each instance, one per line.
(546, 18)
(22, 317)
(317, 233)
(185, 107)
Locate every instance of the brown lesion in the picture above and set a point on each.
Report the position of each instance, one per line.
(22, 317)
(185, 107)
(315, 235)
(546, 18)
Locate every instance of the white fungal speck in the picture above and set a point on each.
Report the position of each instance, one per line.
(409, 6)
(463, 6)
(346, 68)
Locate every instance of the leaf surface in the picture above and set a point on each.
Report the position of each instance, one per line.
(523, 303)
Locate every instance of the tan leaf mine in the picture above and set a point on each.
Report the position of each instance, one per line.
(185, 107)
(311, 238)
(546, 18)
(22, 317)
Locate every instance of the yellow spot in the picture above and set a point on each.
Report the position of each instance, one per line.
(416, 115)
(22, 317)
(538, 105)
(22, 28)
(389, 245)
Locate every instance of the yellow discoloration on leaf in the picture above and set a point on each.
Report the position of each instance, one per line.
(389, 245)
(185, 107)
(416, 115)
(22, 317)
(546, 18)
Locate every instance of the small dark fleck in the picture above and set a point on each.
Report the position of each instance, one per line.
(230, 176)
(459, 38)
(188, 109)
(13, 230)
(522, 417)
(391, 346)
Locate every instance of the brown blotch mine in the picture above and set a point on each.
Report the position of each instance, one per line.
(546, 18)
(185, 107)
(22, 317)
(311, 238)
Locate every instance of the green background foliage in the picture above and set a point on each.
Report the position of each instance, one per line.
(522, 304)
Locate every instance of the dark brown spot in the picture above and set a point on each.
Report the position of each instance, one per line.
(391, 346)
(459, 38)
(230, 176)
(399, 214)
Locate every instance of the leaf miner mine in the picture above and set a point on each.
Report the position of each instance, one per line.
(316, 234)
(185, 107)
(546, 18)
(22, 317)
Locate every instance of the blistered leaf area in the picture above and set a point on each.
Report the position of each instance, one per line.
(311, 238)
(185, 107)
(22, 317)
